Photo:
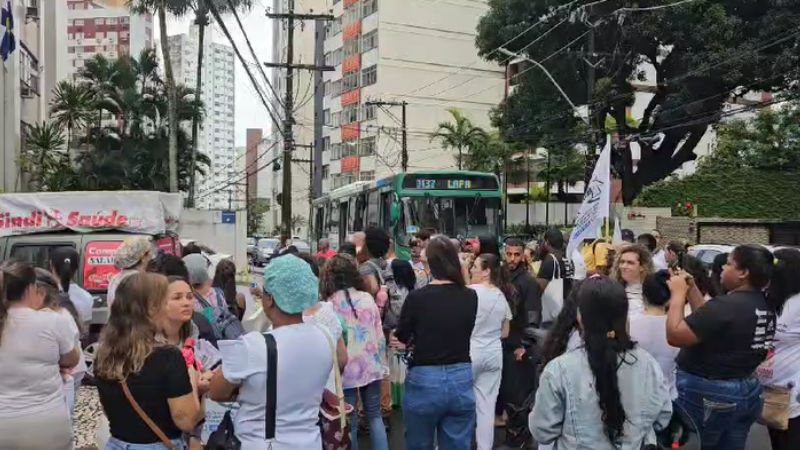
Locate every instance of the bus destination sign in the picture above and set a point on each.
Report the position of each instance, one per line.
(446, 182)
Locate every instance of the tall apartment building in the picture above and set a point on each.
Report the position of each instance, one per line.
(26, 78)
(416, 51)
(216, 135)
(103, 27)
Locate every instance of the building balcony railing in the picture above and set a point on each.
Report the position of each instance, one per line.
(28, 72)
(351, 97)
(351, 64)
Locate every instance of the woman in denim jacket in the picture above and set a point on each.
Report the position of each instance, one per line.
(607, 393)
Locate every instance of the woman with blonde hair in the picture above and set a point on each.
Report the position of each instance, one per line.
(147, 391)
(632, 265)
(35, 346)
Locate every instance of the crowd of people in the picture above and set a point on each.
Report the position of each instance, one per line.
(626, 345)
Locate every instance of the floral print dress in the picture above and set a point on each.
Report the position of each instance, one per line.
(366, 345)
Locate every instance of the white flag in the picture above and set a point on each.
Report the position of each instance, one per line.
(596, 202)
(617, 239)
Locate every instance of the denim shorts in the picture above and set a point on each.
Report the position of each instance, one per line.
(116, 444)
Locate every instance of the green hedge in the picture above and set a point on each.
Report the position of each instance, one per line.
(732, 193)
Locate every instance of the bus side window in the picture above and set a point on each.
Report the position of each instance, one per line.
(373, 209)
(386, 210)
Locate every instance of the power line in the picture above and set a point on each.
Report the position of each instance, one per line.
(252, 52)
(247, 173)
(213, 9)
(495, 50)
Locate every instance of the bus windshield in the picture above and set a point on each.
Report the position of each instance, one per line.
(455, 217)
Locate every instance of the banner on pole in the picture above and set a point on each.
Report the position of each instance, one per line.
(596, 202)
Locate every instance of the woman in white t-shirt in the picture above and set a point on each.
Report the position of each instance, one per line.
(304, 362)
(782, 368)
(649, 329)
(491, 282)
(35, 346)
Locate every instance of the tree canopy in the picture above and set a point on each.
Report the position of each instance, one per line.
(115, 114)
(696, 56)
(753, 172)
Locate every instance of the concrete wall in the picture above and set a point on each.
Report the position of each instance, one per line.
(642, 220)
(714, 231)
(204, 226)
(734, 234)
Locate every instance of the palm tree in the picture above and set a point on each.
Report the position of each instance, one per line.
(71, 108)
(177, 8)
(460, 134)
(42, 141)
(201, 8)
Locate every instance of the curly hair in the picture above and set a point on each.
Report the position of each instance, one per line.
(645, 260)
(340, 273)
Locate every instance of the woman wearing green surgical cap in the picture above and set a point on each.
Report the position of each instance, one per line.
(304, 361)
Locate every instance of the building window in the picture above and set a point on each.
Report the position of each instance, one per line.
(352, 14)
(366, 147)
(351, 48)
(336, 151)
(326, 87)
(367, 175)
(370, 7)
(336, 88)
(336, 119)
(350, 114)
(370, 112)
(369, 76)
(326, 171)
(78, 22)
(369, 41)
(326, 144)
(350, 81)
(326, 117)
(337, 26)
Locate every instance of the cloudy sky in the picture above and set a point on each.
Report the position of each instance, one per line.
(250, 112)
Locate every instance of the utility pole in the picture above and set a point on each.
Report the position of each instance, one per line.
(404, 142)
(311, 181)
(288, 105)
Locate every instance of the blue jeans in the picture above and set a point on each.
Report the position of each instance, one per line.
(439, 403)
(116, 444)
(722, 411)
(371, 400)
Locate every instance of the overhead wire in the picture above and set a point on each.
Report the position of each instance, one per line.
(221, 23)
(252, 51)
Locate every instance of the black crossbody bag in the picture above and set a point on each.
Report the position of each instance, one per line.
(224, 438)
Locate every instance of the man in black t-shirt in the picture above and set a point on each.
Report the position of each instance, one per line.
(723, 341)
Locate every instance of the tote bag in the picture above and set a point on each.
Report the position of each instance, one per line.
(553, 296)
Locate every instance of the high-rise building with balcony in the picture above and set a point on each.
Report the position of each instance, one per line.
(103, 27)
(413, 51)
(26, 78)
(216, 135)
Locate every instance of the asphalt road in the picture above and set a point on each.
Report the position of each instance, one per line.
(757, 440)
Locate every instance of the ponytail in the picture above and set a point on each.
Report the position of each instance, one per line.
(64, 261)
(785, 281)
(606, 343)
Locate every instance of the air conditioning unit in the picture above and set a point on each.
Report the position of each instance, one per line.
(32, 11)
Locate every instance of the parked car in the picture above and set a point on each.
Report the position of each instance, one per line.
(707, 252)
(265, 249)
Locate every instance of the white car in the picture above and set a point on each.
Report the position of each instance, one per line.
(707, 252)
